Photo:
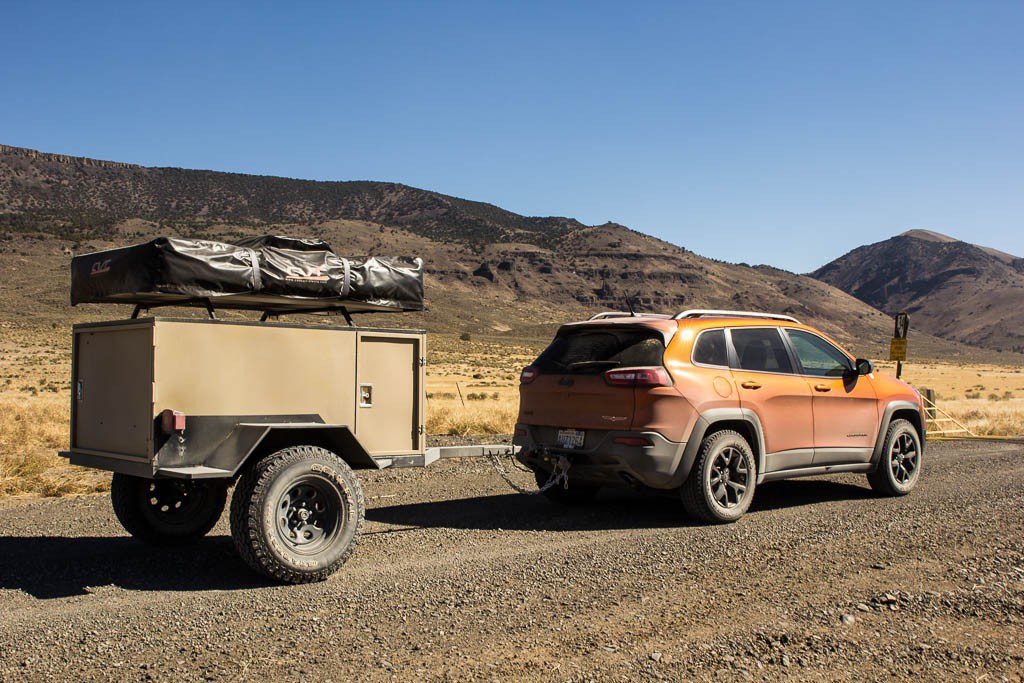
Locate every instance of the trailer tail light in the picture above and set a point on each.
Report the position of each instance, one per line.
(172, 421)
(528, 375)
(638, 377)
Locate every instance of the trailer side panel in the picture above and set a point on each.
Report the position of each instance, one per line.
(205, 369)
(112, 391)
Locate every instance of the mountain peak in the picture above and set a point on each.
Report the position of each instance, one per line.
(929, 235)
(932, 236)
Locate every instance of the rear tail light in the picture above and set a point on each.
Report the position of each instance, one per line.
(528, 375)
(638, 377)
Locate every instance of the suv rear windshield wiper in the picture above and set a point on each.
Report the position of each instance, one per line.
(579, 365)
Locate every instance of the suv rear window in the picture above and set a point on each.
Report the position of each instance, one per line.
(591, 352)
(710, 349)
(760, 349)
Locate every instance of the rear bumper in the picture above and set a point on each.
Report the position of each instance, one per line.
(601, 460)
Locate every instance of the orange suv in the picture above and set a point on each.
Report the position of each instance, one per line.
(711, 404)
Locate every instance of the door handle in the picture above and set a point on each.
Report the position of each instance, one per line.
(822, 387)
(750, 385)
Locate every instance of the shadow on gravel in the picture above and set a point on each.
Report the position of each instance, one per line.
(796, 492)
(612, 509)
(58, 567)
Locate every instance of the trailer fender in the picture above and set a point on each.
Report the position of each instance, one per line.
(248, 440)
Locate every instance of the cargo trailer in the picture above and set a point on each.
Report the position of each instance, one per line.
(182, 409)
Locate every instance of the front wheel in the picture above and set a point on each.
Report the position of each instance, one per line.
(722, 481)
(899, 466)
(296, 514)
(167, 511)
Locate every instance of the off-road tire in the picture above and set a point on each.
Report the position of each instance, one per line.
(699, 501)
(884, 481)
(167, 511)
(257, 518)
(576, 494)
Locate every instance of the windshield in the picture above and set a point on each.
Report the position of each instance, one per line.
(593, 351)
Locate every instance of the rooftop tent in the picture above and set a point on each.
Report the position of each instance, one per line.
(273, 274)
(292, 266)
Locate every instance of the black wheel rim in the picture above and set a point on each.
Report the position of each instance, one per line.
(904, 458)
(174, 502)
(729, 477)
(309, 514)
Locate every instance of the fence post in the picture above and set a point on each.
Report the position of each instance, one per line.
(929, 404)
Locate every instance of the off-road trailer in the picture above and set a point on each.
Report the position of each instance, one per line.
(182, 409)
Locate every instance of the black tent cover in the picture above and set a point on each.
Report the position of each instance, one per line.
(273, 273)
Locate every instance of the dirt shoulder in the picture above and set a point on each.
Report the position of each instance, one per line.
(457, 578)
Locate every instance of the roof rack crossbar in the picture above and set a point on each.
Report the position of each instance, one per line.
(712, 313)
(626, 314)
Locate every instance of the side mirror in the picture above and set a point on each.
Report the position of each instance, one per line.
(864, 366)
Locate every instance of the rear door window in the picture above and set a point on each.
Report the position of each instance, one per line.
(817, 357)
(760, 349)
(710, 349)
(591, 352)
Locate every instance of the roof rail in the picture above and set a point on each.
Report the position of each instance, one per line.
(627, 314)
(712, 313)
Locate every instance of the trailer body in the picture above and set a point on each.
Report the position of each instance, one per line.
(191, 398)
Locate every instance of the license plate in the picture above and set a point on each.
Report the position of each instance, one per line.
(570, 438)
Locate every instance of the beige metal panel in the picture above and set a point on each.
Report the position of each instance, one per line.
(389, 393)
(226, 369)
(112, 390)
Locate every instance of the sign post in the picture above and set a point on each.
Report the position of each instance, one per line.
(898, 345)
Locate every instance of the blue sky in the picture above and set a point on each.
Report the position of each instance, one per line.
(766, 132)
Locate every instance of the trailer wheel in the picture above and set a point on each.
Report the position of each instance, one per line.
(167, 511)
(296, 514)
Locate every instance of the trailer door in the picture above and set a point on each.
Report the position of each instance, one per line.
(388, 398)
(112, 395)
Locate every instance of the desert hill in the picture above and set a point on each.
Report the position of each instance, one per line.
(952, 289)
(489, 270)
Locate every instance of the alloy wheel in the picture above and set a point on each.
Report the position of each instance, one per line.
(904, 457)
(729, 477)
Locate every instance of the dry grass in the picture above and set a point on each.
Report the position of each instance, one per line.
(488, 416)
(988, 417)
(32, 430)
(34, 368)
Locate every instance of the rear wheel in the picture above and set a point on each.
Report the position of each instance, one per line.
(722, 481)
(576, 494)
(899, 466)
(167, 511)
(296, 514)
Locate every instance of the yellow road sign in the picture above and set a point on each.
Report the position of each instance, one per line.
(898, 349)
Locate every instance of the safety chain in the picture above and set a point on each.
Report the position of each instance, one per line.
(559, 475)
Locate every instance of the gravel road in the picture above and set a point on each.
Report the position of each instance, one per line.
(457, 578)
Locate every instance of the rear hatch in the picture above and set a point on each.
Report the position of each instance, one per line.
(568, 386)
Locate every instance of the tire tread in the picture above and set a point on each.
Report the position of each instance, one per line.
(692, 492)
(879, 478)
(245, 511)
(124, 500)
